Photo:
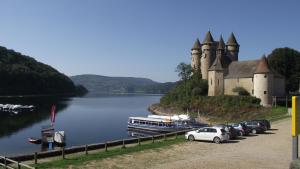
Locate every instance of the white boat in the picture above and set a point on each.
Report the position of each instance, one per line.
(181, 117)
(59, 137)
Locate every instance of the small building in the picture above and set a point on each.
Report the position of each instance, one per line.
(219, 65)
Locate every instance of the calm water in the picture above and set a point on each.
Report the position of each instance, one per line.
(85, 120)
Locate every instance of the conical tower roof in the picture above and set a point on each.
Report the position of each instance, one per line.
(197, 45)
(263, 66)
(221, 44)
(208, 38)
(232, 40)
(217, 65)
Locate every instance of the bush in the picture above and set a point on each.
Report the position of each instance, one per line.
(241, 91)
(295, 164)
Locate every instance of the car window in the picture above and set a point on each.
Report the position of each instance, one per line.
(213, 130)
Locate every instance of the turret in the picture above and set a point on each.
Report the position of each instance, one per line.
(221, 47)
(196, 53)
(216, 78)
(232, 48)
(263, 82)
(208, 54)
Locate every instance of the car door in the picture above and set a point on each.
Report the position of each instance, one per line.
(201, 135)
(211, 134)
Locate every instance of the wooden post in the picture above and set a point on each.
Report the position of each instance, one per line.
(105, 146)
(35, 157)
(165, 138)
(152, 139)
(5, 162)
(176, 136)
(286, 101)
(139, 141)
(275, 101)
(86, 150)
(63, 152)
(19, 167)
(123, 146)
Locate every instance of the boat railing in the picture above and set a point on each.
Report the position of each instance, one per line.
(97, 146)
(12, 164)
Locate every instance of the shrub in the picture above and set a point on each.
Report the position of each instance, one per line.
(241, 91)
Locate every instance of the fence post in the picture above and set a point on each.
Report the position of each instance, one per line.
(86, 150)
(123, 146)
(139, 141)
(63, 152)
(176, 135)
(165, 138)
(19, 167)
(35, 157)
(5, 162)
(106, 146)
(152, 139)
(286, 101)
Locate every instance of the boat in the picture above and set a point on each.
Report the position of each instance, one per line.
(59, 137)
(34, 140)
(159, 123)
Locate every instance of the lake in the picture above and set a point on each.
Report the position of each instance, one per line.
(85, 120)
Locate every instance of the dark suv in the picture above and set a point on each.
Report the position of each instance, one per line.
(265, 122)
(256, 126)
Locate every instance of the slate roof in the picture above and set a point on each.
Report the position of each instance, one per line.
(197, 45)
(241, 69)
(263, 66)
(232, 40)
(217, 65)
(221, 44)
(208, 38)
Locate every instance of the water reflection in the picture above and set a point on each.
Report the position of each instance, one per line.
(11, 122)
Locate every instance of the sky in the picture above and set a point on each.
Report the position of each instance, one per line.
(141, 38)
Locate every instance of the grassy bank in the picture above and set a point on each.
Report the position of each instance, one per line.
(81, 160)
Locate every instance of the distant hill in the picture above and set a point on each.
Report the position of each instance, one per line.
(23, 75)
(106, 85)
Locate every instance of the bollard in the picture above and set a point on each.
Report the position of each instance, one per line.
(105, 146)
(123, 146)
(152, 139)
(139, 141)
(63, 152)
(86, 150)
(35, 157)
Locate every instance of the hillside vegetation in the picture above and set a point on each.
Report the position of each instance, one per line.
(23, 75)
(107, 85)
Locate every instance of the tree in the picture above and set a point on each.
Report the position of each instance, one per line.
(286, 61)
(184, 71)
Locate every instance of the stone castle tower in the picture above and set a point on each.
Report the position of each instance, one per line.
(204, 55)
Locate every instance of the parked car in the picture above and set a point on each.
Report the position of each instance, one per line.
(229, 129)
(242, 129)
(214, 134)
(265, 122)
(255, 126)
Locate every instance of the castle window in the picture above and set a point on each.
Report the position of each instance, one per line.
(211, 81)
(265, 92)
(252, 79)
(238, 80)
(265, 76)
(218, 82)
(252, 91)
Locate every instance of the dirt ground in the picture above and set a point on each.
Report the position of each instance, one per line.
(263, 151)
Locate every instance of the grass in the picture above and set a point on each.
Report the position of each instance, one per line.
(77, 160)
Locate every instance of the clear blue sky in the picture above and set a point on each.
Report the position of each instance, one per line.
(141, 38)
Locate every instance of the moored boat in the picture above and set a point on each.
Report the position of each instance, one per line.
(34, 140)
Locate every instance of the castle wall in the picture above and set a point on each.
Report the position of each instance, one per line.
(230, 84)
(232, 53)
(263, 88)
(215, 83)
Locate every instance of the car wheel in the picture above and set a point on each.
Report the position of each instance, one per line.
(241, 133)
(191, 138)
(254, 131)
(217, 140)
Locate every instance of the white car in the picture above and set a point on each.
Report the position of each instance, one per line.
(214, 134)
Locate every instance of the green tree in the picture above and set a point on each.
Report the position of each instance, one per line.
(286, 61)
(184, 71)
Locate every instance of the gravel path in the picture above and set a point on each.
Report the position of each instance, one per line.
(265, 151)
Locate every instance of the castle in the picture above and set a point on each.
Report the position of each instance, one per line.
(219, 65)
